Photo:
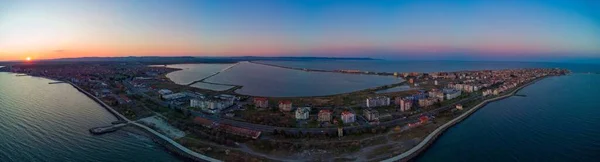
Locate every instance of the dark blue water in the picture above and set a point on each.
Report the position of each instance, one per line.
(559, 120)
(43, 122)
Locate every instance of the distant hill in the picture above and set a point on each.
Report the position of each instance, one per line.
(189, 59)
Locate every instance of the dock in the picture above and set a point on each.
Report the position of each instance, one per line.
(106, 129)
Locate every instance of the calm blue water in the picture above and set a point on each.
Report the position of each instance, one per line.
(262, 80)
(42, 122)
(427, 66)
(559, 120)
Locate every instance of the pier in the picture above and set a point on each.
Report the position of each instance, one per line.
(107, 129)
(216, 73)
(169, 143)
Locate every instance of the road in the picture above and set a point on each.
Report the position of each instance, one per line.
(269, 129)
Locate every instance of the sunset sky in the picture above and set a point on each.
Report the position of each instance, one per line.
(46, 29)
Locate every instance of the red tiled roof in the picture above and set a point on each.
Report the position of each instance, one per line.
(324, 111)
(260, 99)
(346, 113)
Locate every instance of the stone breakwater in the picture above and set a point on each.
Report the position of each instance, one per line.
(429, 139)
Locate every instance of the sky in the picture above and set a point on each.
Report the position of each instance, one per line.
(396, 29)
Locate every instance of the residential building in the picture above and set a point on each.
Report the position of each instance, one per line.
(324, 116)
(348, 117)
(427, 102)
(285, 106)
(371, 115)
(451, 93)
(378, 101)
(260, 102)
(405, 105)
(436, 93)
(213, 105)
(302, 113)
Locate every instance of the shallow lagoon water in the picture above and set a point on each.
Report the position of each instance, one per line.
(262, 80)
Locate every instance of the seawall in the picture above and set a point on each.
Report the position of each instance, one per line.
(430, 139)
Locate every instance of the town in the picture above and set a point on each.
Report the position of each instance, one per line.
(232, 126)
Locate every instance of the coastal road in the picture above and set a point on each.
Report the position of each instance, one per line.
(269, 129)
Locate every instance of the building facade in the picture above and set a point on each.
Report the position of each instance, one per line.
(371, 115)
(285, 106)
(260, 102)
(324, 116)
(302, 113)
(348, 117)
(378, 101)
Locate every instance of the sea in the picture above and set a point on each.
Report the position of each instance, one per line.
(50, 122)
(556, 119)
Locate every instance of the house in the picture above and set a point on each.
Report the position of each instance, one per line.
(324, 116)
(285, 106)
(302, 113)
(371, 115)
(378, 101)
(423, 119)
(348, 117)
(261, 102)
(459, 107)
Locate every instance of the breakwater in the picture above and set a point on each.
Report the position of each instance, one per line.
(430, 139)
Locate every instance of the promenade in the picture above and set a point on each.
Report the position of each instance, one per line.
(425, 143)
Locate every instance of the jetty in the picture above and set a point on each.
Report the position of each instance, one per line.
(107, 129)
(216, 73)
(169, 143)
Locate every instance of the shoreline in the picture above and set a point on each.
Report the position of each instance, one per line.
(167, 142)
(433, 136)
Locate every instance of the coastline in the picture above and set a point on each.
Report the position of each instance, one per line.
(433, 136)
(168, 143)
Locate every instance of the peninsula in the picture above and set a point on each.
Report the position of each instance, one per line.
(365, 125)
